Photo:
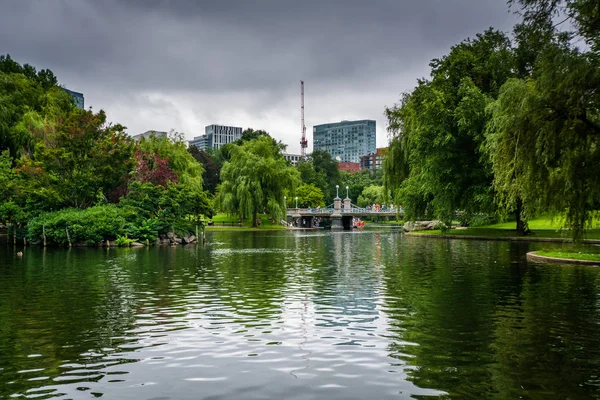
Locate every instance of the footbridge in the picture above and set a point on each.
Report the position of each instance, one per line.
(339, 215)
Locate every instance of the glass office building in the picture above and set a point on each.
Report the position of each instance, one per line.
(348, 140)
(77, 97)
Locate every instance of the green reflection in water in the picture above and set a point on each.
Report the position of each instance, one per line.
(464, 319)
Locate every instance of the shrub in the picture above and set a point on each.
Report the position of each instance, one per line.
(92, 225)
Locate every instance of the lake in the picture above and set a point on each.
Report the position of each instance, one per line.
(371, 314)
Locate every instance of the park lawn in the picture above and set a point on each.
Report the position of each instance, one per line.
(541, 228)
(225, 221)
(575, 255)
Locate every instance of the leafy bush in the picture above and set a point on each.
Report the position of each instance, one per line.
(123, 240)
(92, 225)
(143, 230)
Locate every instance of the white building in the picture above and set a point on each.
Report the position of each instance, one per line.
(292, 158)
(216, 136)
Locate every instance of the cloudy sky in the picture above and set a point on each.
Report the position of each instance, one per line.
(185, 64)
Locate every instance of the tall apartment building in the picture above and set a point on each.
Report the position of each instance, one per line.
(216, 136)
(374, 160)
(348, 140)
(77, 97)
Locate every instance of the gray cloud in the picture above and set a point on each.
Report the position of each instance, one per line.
(155, 64)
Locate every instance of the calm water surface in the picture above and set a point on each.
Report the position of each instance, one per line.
(290, 315)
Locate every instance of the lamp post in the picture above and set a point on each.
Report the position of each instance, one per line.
(296, 201)
(336, 191)
(347, 191)
(285, 202)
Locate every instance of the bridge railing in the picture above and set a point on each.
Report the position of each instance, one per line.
(357, 209)
(319, 210)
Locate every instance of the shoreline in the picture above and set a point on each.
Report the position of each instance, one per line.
(532, 256)
(500, 238)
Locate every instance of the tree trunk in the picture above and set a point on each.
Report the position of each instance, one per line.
(522, 226)
(68, 236)
(254, 215)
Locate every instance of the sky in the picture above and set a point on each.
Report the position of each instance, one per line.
(182, 65)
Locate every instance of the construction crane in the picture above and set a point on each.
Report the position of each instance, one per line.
(303, 141)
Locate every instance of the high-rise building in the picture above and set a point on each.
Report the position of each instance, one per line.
(374, 160)
(216, 136)
(78, 97)
(348, 140)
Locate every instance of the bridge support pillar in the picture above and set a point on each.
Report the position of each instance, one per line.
(347, 205)
(336, 222)
(336, 216)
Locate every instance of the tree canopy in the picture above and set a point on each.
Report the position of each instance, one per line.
(435, 164)
(255, 179)
(64, 166)
(321, 170)
(309, 196)
(544, 133)
(506, 125)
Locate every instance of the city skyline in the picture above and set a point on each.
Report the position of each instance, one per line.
(158, 65)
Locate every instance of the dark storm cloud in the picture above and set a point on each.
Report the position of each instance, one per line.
(246, 53)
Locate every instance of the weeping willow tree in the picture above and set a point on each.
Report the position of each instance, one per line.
(255, 179)
(544, 140)
(435, 164)
(544, 132)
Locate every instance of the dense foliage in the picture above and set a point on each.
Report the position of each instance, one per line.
(255, 179)
(321, 170)
(505, 125)
(309, 196)
(66, 169)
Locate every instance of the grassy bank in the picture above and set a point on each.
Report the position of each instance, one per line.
(540, 227)
(581, 254)
(222, 221)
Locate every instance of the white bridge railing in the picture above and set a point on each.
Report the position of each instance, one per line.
(353, 209)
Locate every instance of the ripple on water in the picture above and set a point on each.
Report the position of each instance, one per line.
(298, 316)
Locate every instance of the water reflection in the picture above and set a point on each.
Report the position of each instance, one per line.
(368, 314)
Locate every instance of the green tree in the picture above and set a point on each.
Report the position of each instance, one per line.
(173, 148)
(26, 94)
(544, 140)
(371, 195)
(255, 180)
(212, 170)
(77, 159)
(357, 182)
(7, 176)
(321, 170)
(583, 15)
(436, 164)
(310, 196)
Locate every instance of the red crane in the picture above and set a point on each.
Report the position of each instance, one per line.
(303, 141)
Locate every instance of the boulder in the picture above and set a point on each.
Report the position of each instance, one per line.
(171, 235)
(186, 238)
(136, 244)
(421, 225)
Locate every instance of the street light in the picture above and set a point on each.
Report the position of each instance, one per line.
(285, 202)
(347, 192)
(336, 191)
(296, 201)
